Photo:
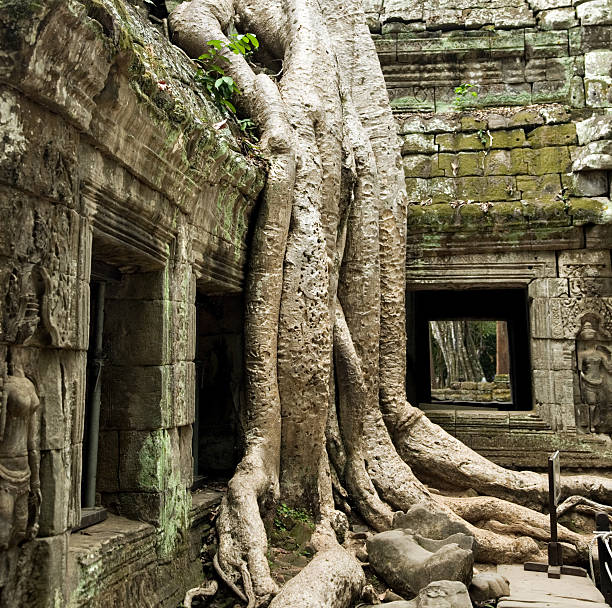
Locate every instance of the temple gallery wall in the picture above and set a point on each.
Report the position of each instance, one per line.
(123, 246)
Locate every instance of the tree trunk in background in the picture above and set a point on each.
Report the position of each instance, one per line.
(458, 350)
(502, 358)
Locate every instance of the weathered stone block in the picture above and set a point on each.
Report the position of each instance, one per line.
(421, 165)
(386, 48)
(590, 183)
(69, 64)
(596, 12)
(412, 98)
(597, 78)
(535, 69)
(543, 386)
(151, 285)
(591, 287)
(418, 143)
(136, 397)
(37, 575)
(594, 128)
(60, 378)
(596, 156)
(56, 488)
(558, 18)
(434, 124)
(137, 334)
(584, 263)
(553, 135)
(548, 288)
(505, 162)
(526, 118)
(462, 164)
(553, 354)
(39, 160)
(546, 43)
(186, 457)
(550, 91)
(539, 187)
(183, 315)
(514, 138)
(183, 393)
(552, 159)
(542, 5)
(417, 189)
(489, 95)
(142, 458)
(564, 391)
(76, 475)
(544, 315)
(505, 43)
(498, 188)
(590, 210)
(107, 476)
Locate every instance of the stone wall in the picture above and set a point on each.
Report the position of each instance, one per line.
(110, 171)
(480, 392)
(509, 179)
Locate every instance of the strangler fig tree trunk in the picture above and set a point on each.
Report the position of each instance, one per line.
(326, 415)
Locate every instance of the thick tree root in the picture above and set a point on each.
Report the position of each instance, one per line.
(509, 518)
(333, 579)
(583, 504)
(440, 459)
(204, 590)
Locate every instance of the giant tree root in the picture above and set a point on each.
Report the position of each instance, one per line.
(438, 458)
(333, 579)
(325, 312)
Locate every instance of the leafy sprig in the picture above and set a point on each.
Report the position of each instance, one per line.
(211, 74)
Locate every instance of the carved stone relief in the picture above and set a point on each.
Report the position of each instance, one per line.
(594, 353)
(20, 496)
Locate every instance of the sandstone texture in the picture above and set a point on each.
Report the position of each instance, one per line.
(408, 562)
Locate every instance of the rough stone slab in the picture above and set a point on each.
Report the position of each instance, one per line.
(536, 590)
(597, 12)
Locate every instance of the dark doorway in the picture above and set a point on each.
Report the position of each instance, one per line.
(498, 316)
(219, 391)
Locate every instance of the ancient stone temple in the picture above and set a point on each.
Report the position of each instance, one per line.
(119, 202)
(126, 205)
(504, 111)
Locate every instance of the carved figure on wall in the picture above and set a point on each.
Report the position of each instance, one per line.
(20, 496)
(595, 371)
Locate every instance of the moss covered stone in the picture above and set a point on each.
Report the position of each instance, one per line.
(421, 165)
(461, 164)
(551, 159)
(553, 135)
(590, 210)
(541, 186)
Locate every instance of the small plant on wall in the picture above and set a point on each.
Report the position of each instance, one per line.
(211, 75)
(463, 92)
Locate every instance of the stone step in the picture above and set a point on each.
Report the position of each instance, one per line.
(536, 590)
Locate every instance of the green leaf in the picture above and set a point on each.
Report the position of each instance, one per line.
(253, 40)
(216, 43)
(228, 105)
